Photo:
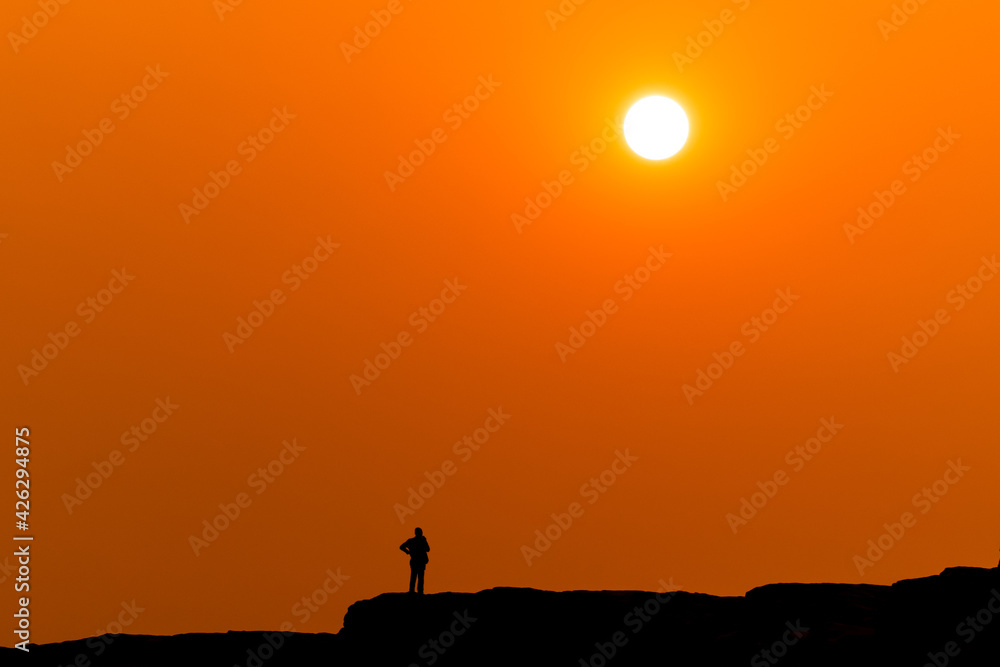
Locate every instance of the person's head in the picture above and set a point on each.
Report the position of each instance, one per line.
(418, 532)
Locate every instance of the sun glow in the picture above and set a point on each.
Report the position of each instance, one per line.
(656, 127)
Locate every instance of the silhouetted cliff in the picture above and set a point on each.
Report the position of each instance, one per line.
(949, 619)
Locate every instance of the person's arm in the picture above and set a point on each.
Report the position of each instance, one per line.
(402, 547)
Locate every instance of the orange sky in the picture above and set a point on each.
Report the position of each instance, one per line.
(293, 135)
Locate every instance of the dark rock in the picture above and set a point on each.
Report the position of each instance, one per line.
(912, 622)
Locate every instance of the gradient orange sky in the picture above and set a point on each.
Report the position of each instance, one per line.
(333, 125)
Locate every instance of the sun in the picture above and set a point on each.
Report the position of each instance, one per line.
(656, 127)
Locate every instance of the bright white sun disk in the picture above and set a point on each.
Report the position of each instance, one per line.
(656, 127)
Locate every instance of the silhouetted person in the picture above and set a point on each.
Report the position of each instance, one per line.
(416, 547)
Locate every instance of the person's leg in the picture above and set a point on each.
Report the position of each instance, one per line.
(413, 578)
(420, 581)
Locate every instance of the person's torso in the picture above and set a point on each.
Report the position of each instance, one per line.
(418, 549)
